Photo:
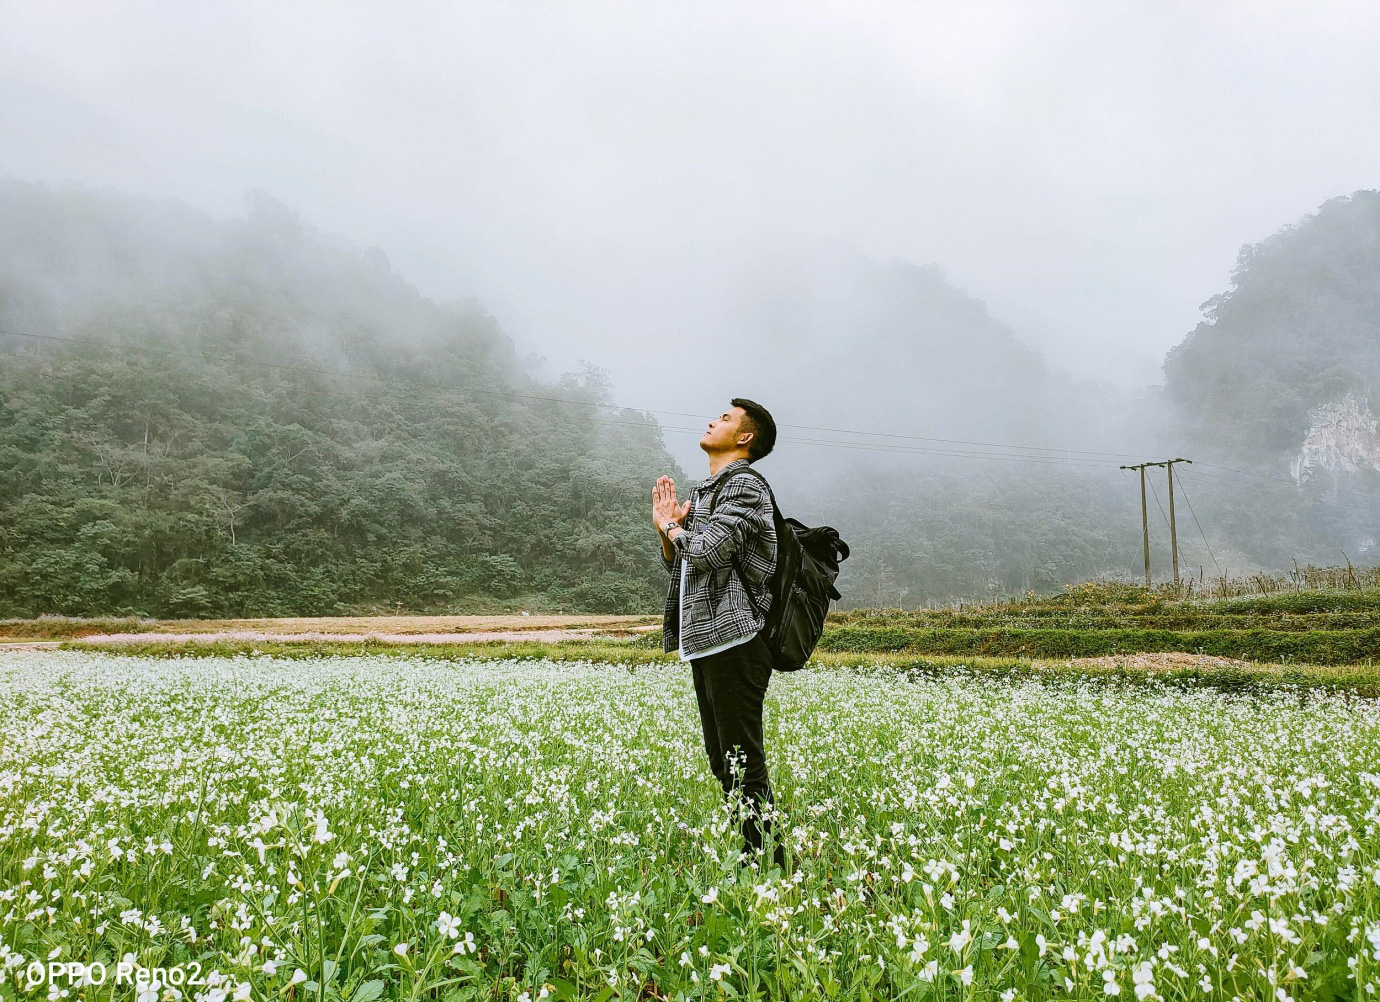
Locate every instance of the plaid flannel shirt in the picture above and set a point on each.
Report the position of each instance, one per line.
(717, 610)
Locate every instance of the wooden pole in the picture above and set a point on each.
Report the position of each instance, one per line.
(1173, 526)
(1144, 525)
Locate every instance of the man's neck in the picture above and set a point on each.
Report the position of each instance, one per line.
(718, 460)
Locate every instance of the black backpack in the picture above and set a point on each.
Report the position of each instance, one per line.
(807, 564)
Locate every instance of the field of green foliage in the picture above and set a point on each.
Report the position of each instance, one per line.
(1328, 626)
(1316, 626)
(454, 829)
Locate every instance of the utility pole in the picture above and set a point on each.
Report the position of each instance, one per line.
(1145, 515)
(1173, 524)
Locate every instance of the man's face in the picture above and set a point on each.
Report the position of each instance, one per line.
(724, 431)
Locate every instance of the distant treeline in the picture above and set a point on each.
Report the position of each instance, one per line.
(178, 474)
(249, 417)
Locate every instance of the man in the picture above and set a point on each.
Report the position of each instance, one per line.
(720, 564)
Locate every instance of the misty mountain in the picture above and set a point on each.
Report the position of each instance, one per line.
(1283, 369)
(896, 347)
(251, 417)
(1277, 380)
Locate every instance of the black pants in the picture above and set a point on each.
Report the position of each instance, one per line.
(730, 687)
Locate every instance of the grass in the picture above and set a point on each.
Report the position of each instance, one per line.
(451, 829)
(1359, 679)
(1115, 618)
(64, 627)
(1327, 647)
(1131, 605)
(1328, 637)
(1322, 626)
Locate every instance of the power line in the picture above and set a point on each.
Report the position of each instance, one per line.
(856, 446)
(959, 441)
(1170, 520)
(1200, 526)
(880, 447)
(528, 396)
(1169, 524)
(1019, 453)
(1282, 480)
(1289, 484)
(1163, 516)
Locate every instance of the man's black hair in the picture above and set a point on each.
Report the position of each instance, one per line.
(757, 420)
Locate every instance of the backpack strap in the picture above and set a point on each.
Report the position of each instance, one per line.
(776, 518)
(714, 498)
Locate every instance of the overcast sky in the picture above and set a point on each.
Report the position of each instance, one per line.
(602, 174)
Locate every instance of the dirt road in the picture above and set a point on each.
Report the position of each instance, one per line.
(545, 636)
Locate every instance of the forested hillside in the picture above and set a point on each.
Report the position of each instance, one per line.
(254, 418)
(1292, 348)
(250, 417)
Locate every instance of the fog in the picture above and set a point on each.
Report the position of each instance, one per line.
(981, 226)
(609, 178)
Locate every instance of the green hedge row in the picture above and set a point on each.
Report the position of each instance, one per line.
(1112, 619)
(1328, 647)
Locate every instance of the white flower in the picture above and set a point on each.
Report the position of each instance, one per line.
(1109, 985)
(400, 949)
(270, 967)
(322, 833)
(965, 975)
(448, 925)
(960, 939)
(1144, 977)
(918, 948)
(717, 972)
(298, 976)
(242, 993)
(929, 971)
(466, 945)
(711, 896)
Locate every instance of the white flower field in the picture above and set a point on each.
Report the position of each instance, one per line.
(416, 828)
